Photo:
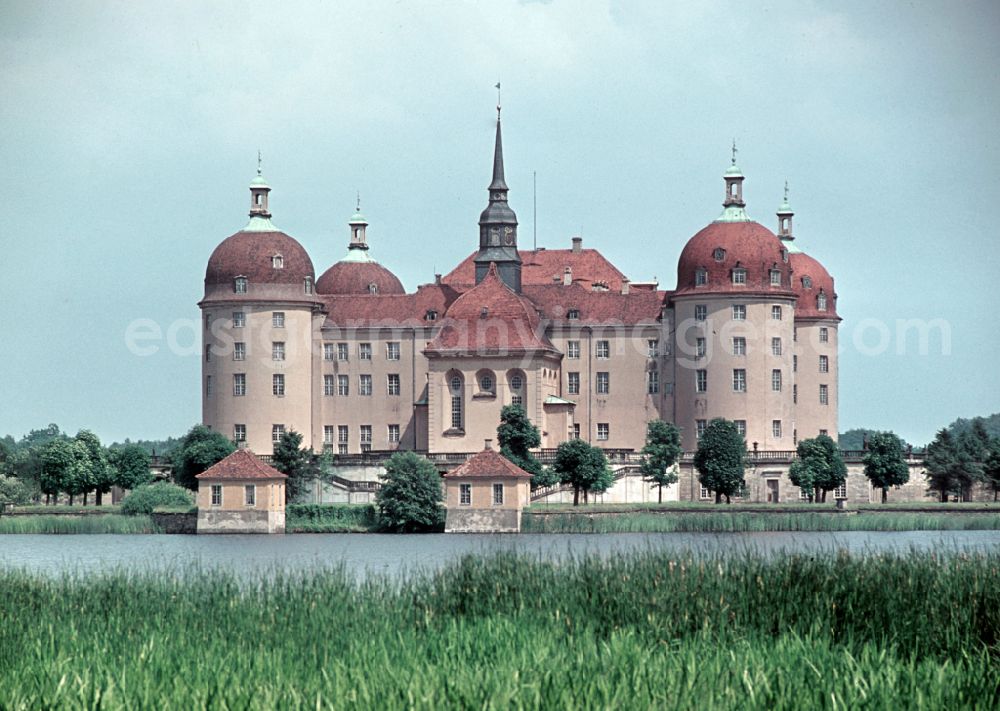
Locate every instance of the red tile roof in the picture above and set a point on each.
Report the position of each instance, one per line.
(346, 277)
(249, 254)
(356, 311)
(241, 464)
(546, 266)
(555, 302)
(807, 307)
(487, 464)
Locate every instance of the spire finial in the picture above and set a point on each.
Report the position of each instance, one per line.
(258, 161)
(358, 208)
(786, 191)
(734, 151)
(498, 100)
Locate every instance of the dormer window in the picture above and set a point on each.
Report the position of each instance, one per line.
(307, 285)
(784, 256)
(277, 262)
(775, 277)
(573, 314)
(373, 288)
(739, 275)
(240, 285)
(807, 282)
(719, 254)
(431, 315)
(484, 312)
(821, 302)
(700, 277)
(599, 286)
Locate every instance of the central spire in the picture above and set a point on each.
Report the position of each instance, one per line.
(498, 224)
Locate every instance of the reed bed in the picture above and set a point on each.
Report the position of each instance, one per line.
(331, 518)
(99, 523)
(644, 630)
(748, 522)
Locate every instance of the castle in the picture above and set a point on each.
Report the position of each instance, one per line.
(356, 364)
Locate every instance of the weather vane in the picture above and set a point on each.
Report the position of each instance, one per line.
(498, 99)
(258, 161)
(359, 201)
(734, 151)
(786, 191)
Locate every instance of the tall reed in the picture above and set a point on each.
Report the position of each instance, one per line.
(103, 523)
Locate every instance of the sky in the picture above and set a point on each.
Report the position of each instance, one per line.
(129, 132)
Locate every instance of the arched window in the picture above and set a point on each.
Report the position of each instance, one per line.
(373, 288)
(455, 390)
(486, 383)
(278, 262)
(516, 384)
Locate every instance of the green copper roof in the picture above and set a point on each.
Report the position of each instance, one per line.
(733, 213)
(733, 171)
(784, 208)
(357, 255)
(553, 400)
(259, 182)
(789, 244)
(258, 223)
(357, 218)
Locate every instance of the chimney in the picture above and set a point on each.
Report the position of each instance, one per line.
(567, 276)
(437, 278)
(624, 285)
(489, 444)
(577, 245)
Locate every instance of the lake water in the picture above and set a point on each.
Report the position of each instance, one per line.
(366, 554)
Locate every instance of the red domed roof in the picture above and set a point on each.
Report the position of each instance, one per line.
(810, 279)
(250, 254)
(357, 277)
(721, 247)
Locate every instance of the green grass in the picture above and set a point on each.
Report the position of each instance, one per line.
(747, 522)
(930, 506)
(64, 509)
(103, 523)
(331, 518)
(647, 630)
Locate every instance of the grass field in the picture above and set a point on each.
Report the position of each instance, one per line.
(645, 630)
(97, 523)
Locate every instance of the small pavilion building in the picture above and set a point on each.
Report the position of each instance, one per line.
(241, 494)
(486, 494)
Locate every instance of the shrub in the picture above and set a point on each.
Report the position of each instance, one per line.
(15, 491)
(149, 496)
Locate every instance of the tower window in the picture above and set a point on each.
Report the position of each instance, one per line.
(373, 288)
(776, 429)
(278, 384)
(824, 364)
(652, 382)
(739, 345)
(740, 276)
(739, 380)
(700, 312)
(307, 285)
(776, 381)
(824, 395)
(239, 319)
(278, 319)
(739, 312)
(776, 312)
(775, 277)
(784, 256)
(807, 282)
(701, 381)
(516, 383)
(776, 346)
(824, 334)
(701, 346)
(821, 302)
(719, 254)
(277, 432)
(240, 285)
(700, 277)
(277, 262)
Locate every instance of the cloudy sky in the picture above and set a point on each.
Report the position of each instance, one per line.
(129, 132)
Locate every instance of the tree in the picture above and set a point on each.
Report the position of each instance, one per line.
(143, 499)
(721, 459)
(584, 467)
(818, 467)
(56, 459)
(953, 463)
(101, 475)
(298, 464)
(884, 463)
(991, 466)
(411, 495)
(199, 449)
(6, 458)
(517, 435)
(131, 466)
(659, 454)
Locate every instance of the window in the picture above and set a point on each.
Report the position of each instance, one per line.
(208, 354)
(431, 315)
(327, 351)
(824, 334)
(776, 313)
(364, 351)
(776, 429)
(807, 283)
(603, 430)
(216, 494)
(343, 437)
(572, 349)
(366, 438)
(841, 491)
(652, 348)
(329, 388)
(821, 302)
(701, 381)
(739, 380)
(517, 400)
(278, 319)
(739, 312)
(393, 434)
(795, 394)
(208, 385)
(776, 346)
(719, 254)
(277, 432)
(465, 494)
(603, 349)
(573, 314)
(573, 383)
(700, 277)
(775, 277)
(486, 384)
(824, 364)
(278, 384)
(699, 428)
(239, 351)
(343, 385)
(498, 494)
(277, 262)
(776, 380)
(456, 383)
(342, 351)
(824, 432)
(652, 382)
(824, 395)
(700, 312)
(392, 383)
(456, 412)
(208, 321)
(741, 427)
(239, 384)
(250, 494)
(239, 433)
(603, 383)
(703, 492)
(240, 285)
(373, 288)
(278, 350)
(784, 256)
(392, 350)
(239, 319)
(795, 364)
(327, 434)
(364, 384)
(739, 346)
(739, 276)
(307, 285)
(576, 430)
(700, 347)
(516, 383)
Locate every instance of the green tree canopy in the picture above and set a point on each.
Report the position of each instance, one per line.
(584, 467)
(884, 463)
(721, 459)
(952, 463)
(517, 435)
(991, 466)
(102, 476)
(411, 495)
(199, 449)
(131, 466)
(147, 497)
(660, 453)
(818, 467)
(298, 464)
